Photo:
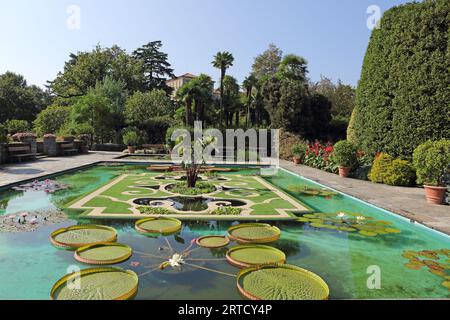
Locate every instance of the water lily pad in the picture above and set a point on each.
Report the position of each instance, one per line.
(281, 282)
(96, 284)
(160, 225)
(367, 233)
(245, 256)
(213, 241)
(103, 253)
(254, 233)
(79, 236)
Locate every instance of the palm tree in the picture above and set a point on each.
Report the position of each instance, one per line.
(186, 94)
(223, 60)
(248, 85)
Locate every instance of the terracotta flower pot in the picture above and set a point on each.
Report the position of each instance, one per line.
(297, 160)
(344, 171)
(435, 195)
(131, 149)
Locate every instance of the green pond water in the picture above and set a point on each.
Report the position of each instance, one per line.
(30, 265)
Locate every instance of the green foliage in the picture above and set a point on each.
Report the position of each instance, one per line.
(154, 210)
(226, 211)
(293, 67)
(51, 119)
(267, 63)
(432, 162)
(130, 138)
(200, 188)
(351, 135)
(156, 67)
(84, 70)
(380, 167)
(400, 173)
(16, 126)
(144, 107)
(345, 154)
(18, 100)
(402, 97)
(299, 149)
(3, 134)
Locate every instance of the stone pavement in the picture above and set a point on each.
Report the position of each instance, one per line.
(407, 202)
(11, 173)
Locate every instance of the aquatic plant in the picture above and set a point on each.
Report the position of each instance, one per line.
(103, 253)
(281, 282)
(430, 259)
(245, 256)
(79, 236)
(97, 284)
(254, 233)
(47, 185)
(213, 241)
(349, 222)
(312, 191)
(160, 225)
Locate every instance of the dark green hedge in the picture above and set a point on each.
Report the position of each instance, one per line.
(403, 97)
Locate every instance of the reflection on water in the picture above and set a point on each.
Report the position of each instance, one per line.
(340, 258)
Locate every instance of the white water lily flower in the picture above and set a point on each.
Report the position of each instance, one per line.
(341, 215)
(360, 218)
(176, 260)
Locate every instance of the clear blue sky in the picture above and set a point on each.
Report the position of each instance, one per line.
(332, 35)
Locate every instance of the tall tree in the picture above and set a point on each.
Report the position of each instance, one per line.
(18, 100)
(223, 61)
(85, 69)
(155, 65)
(267, 63)
(248, 85)
(293, 67)
(231, 98)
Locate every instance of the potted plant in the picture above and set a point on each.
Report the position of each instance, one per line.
(130, 138)
(432, 162)
(299, 150)
(344, 155)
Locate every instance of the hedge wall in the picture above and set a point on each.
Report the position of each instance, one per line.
(403, 97)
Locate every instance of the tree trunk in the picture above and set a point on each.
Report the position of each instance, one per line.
(188, 113)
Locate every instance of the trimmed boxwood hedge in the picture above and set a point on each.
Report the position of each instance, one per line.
(402, 98)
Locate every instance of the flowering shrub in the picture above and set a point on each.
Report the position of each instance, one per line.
(23, 135)
(320, 156)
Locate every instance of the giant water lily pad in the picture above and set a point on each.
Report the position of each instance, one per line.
(103, 253)
(96, 284)
(313, 191)
(281, 282)
(245, 256)
(254, 233)
(83, 235)
(160, 225)
(213, 241)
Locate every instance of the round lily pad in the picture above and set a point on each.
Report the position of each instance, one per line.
(160, 225)
(96, 284)
(254, 233)
(213, 241)
(83, 235)
(281, 282)
(245, 256)
(103, 253)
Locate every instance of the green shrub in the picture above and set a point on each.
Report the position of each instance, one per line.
(51, 119)
(299, 150)
(130, 138)
(17, 126)
(287, 140)
(402, 99)
(154, 210)
(3, 134)
(344, 154)
(226, 211)
(380, 166)
(400, 173)
(200, 188)
(432, 162)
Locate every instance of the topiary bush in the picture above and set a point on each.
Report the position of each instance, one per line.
(400, 173)
(380, 166)
(130, 138)
(402, 97)
(344, 154)
(299, 150)
(432, 162)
